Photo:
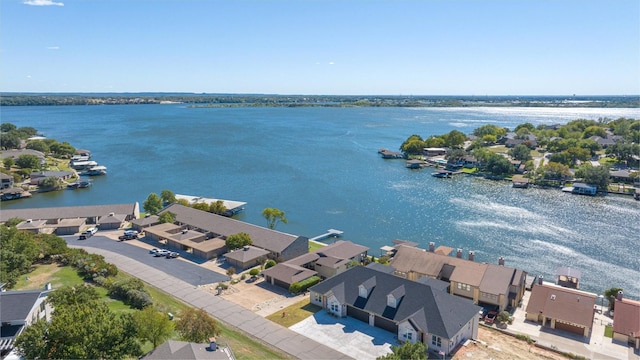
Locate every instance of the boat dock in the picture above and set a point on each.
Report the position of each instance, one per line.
(328, 234)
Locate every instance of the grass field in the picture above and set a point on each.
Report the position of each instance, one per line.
(243, 346)
(295, 313)
(313, 246)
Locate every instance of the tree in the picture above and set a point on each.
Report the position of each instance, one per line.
(153, 204)
(62, 149)
(269, 263)
(597, 175)
(80, 331)
(73, 295)
(38, 145)
(201, 206)
(499, 165)
(611, 294)
(254, 272)
(168, 197)
(408, 350)
(6, 127)
(454, 138)
(556, 171)
(593, 131)
(433, 142)
(413, 145)
(273, 216)
(521, 152)
(8, 163)
(167, 217)
(49, 183)
(217, 207)
(236, 241)
(455, 155)
(28, 162)
(196, 325)
(153, 325)
(9, 140)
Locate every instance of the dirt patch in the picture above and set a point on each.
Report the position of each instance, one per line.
(495, 345)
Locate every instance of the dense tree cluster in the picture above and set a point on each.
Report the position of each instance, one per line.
(237, 241)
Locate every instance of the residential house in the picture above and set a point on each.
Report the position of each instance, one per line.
(201, 245)
(429, 152)
(18, 310)
(626, 321)
(485, 284)
(179, 350)
(414, 311)
(39, 176)
(112, 221)
(561, 308)
(16, 153)
(33, 226)
(281, 246)
(623, 176)
(69, 218)
(6, 181)
(325, 262)
(248, 256)
(605, 141)
(142, 223)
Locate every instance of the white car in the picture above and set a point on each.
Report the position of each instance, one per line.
(161, 252)
(131, 232)
(91, 231)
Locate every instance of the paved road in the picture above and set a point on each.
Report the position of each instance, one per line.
(183, 270)
(142, 265)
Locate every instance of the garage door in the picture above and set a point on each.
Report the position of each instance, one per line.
(386, 324)
(358, 314)
(570, 328)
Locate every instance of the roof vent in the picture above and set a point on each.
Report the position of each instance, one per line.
(246, 247)
(112, 214)
(29, 220)
(185, 231)
(553, 296)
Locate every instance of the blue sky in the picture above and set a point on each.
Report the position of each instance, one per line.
(350, 47)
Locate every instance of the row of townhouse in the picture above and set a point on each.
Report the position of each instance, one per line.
(491, 285)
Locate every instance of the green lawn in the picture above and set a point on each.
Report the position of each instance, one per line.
(313, 246)
(608, 331)
(243, 346)
(497, 148)
(294, 313)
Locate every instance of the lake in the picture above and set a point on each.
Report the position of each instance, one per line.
(320, 166)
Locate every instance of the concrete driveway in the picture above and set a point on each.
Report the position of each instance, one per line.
(347, 335)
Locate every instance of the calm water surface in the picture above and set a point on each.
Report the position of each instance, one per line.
(320, 165)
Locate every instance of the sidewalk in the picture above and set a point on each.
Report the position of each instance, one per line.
(280, 337)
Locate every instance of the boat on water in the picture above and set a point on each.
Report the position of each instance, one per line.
(96, 171)
(442, 174)
(80, 184)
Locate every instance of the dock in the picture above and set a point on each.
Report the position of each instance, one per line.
(328, 234)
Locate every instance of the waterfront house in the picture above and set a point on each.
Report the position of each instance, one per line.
(16, 153)
(622, 176)
(561, 308)
(584, 189)
(68, 218)
(18, 310)
(485, 284)
(142, 223)
(430, 152)
(39, 176)
(6, 181)
(325, 262)
(626, 321)
(112, 221)
(200, 244)
(281, 246)
(414, 311)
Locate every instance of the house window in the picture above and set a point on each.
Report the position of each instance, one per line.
(391, 301)
(408, 336)
(317, 297)
(462, 286)
(335, 308)
(436, 340)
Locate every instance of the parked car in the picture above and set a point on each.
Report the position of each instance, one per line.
(127, 237)
(131, 232)
(172, 254)
(83, 236)
(490, 317)
(153, 251)
(161, 252)
(91, 231)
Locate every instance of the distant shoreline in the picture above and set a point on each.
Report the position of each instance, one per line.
(257, 100)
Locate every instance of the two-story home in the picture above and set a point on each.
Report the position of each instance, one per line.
(18, 310)
(626, 321)
(325, 262)
(492, 285)
(413, 310)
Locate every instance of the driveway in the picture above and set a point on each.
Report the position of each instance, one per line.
(347, 335)
(184, 270)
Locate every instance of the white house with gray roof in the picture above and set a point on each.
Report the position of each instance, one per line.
(18, 310)
(414, 311)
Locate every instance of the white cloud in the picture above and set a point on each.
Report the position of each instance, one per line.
(42, 3)
(331, 63)
(53, 47)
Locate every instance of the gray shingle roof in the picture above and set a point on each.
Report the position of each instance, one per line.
(181, 350)
(16, 305)
(68, 212)
(431, 309)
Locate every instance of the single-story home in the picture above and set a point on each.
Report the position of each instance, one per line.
(561, 308)
(39, 176)
(179, 350)
(142, 223)
(112, 221)
(248, 256)
(414, 311)
(201, 245)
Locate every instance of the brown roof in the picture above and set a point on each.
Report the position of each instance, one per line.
(496, 279)
(626, 317)
(67, 212)
(342, 250)
(262, 237)
(247, 253)
(289, 273)
(564, 304)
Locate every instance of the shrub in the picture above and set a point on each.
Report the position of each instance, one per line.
(139, 299)
(269, 264)
(301, 286)
(243, 276)
(222, 286)
(254, 272)
(503, 316)
(231, 271)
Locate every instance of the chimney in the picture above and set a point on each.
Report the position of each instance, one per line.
(459, 254)
(501, 261)
(540, 278)
(432, 246)
(619, 296)
(471, 255)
